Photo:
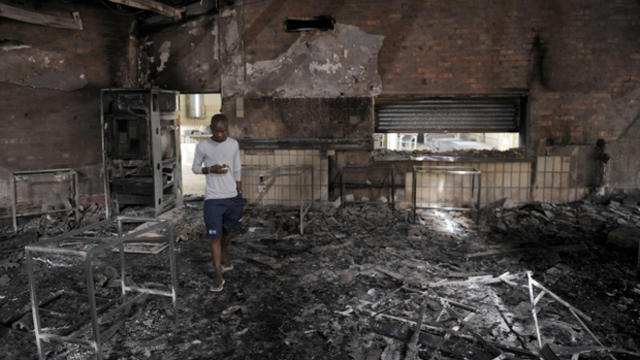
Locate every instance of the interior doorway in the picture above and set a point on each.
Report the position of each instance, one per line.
(196, 111)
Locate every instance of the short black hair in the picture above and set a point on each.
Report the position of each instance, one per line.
(219, 117)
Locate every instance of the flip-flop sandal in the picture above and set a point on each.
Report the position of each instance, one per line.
(218, 288)
(227, 267)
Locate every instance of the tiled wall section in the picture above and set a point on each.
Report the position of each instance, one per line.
(499, 180)
(285, 190)
(555, 179)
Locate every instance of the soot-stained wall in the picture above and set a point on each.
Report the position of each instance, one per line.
(182, 57)
(577, 61)
(50, 81)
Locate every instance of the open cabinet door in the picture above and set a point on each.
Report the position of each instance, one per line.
(141, 149)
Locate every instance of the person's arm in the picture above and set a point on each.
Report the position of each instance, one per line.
(198, 157)
(197, 167)
(237, 170)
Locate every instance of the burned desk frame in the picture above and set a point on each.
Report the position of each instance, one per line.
(52, 246)
(390, 170)
(456, 170)
(267, 177)
(16, 176)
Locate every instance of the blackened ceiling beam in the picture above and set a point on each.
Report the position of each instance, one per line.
(33, 17)
(151, 24)
(155, 6)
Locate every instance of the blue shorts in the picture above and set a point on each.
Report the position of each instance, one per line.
(219, 213)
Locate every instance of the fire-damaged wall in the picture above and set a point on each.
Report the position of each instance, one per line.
(50, 82)
(182, 57)
(577, 62)
(270, 118)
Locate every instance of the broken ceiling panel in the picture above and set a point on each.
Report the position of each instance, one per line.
(343, 62)
(37, 68)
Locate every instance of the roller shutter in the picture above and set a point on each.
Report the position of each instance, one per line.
(449, 115)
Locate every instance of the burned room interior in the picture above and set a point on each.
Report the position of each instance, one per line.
(419, 179)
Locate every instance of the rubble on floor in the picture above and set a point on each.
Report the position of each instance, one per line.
(363, 278)
(54, 223)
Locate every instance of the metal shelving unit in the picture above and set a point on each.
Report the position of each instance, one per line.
(141, 148)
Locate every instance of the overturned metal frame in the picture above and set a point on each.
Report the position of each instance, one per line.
(579, 315)
(52, 246)
(269, 176)
(456, 170)
(391, 185)
(15, 176)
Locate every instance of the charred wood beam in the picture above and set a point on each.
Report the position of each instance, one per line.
(32, 17)
(430, 341)
(154, 6)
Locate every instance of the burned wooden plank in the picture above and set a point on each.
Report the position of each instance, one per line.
(547, 354)
(430, 341)
(560, 248)
(438, 330)
(152, 248)
(412, 345)
(266, 260)
(154, 6)
(32, 17)
(321, 249)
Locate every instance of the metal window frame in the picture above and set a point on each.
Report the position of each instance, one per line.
(51, 246)
(446, 169)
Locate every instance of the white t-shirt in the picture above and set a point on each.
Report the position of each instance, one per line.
(209, 153)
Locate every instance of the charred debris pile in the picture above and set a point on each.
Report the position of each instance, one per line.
(531, 281)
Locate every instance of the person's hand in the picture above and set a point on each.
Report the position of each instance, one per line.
(217, 169)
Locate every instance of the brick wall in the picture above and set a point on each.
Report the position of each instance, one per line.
(579, 61)
(300, 118)
(43, 128)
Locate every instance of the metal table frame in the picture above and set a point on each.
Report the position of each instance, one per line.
(457, 170)
(14, 177)
(51, 246)
(285, 170)
(392, 190)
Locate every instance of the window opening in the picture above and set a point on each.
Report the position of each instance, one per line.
(441, 125)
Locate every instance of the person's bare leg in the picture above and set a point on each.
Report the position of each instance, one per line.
(226, 241)
(216, 253)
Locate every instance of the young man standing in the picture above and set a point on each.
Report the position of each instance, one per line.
(218, 158)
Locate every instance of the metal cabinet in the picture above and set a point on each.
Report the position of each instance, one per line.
(141, 148)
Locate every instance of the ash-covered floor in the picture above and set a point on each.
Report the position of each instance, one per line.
(355, 285)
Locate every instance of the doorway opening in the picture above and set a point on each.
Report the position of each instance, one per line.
(196, 111)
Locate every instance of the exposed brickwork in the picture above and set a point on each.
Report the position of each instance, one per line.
(43, 128)
(579, 59)
(333, 118)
